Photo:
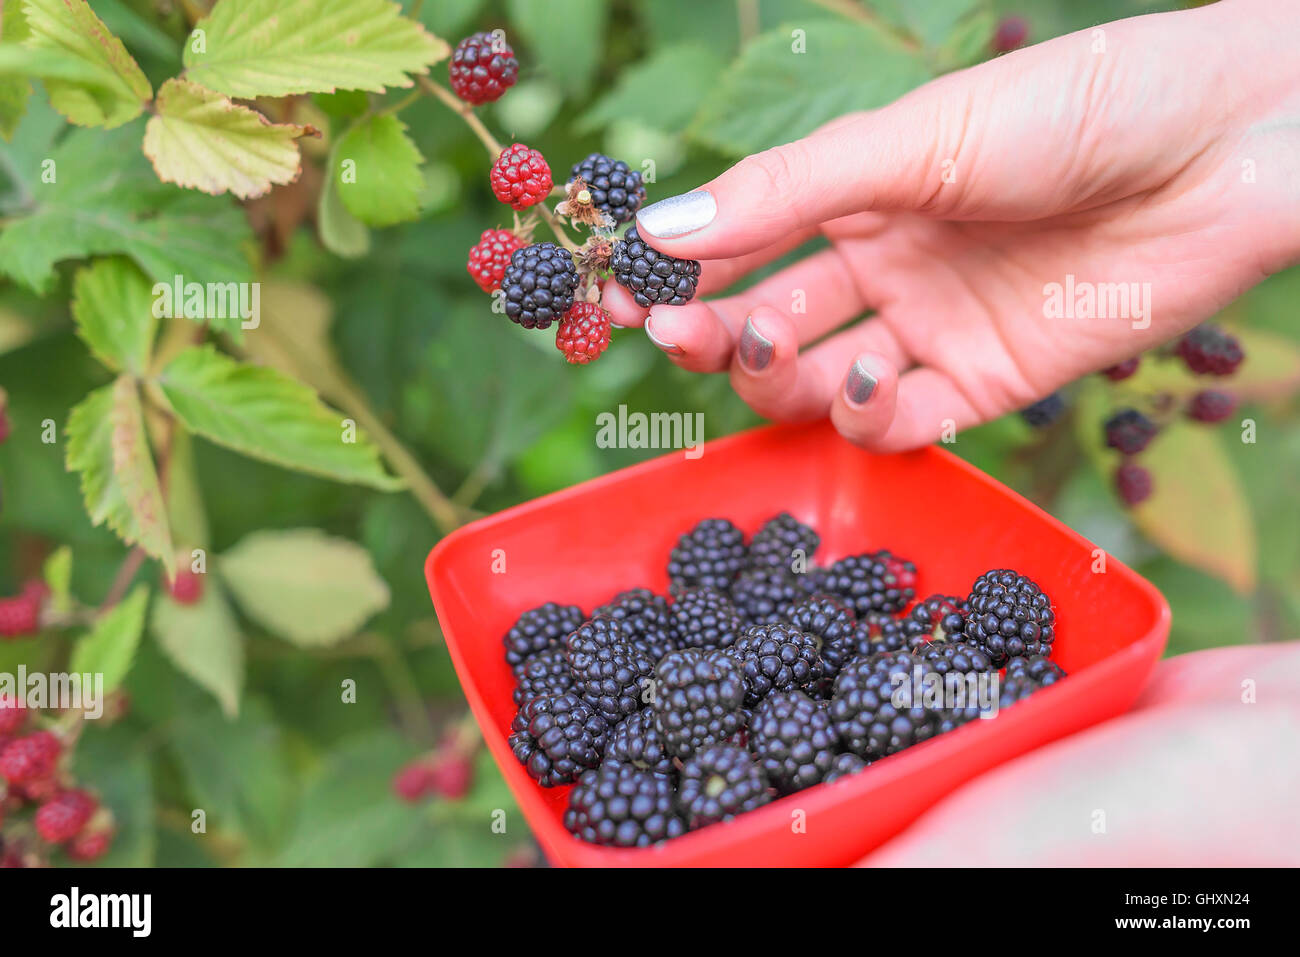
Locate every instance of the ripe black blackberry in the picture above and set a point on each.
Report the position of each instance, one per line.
(649, 275)
(648, 617)
(1044, 412)
(782, 540)
(863, 711)
(842, 765)
(711, 553)
(705, 618)
(961, 657)
(1129, 431)
(540, 628)
(636, 741)
(1211, 405)
(1009, 616)
(879, 631)
(1208, 350)
(827, 618)
(875, 581)
(609, 671)
(1016, 687)
(697, 699)
(1038, 667)
(538, 285)
(615, 188)
(960, 663)
(775, 658)
(546, 672)
(944, 616)
(557, 737)
(761, 594)
(793, 741)
(619, 805)
(718, 783)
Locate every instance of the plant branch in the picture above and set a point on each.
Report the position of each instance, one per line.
(466, 112)
(122, 580)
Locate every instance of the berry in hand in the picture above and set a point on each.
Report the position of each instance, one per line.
(1044, 412)
(1134, 484)
(720, 782)
(1211, 405)
(489, 257)
(539, 285)
(1208, 350)
(650, 276)
(557, 737)
(583, 333)
(30, 758)
(482, 68)
(1122, 370)
(615, 188)
(1009, 616)
(792, 738)
(619, 805)
(1129, 431)
(697, 699)
(520, 177)
(62, 817)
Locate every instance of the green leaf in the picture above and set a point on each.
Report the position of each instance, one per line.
(70, 26)
(112, 304)
(114, 763)
(265, 415)
(935, 22)
(108, 448)
(110, 647)
(107, 199)
(304, 585)
(184, 497)
(14, 89)
(340, 232)
(201, 140)
(680, 75)
(57, 575)
(376, 170)
(203, 641)
(564, 37)
(279, 47)
(773, 94)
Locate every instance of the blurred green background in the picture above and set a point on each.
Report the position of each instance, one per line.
(494, 417)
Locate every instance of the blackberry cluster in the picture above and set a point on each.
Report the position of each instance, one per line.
(718, 783)
(697, 699)
(651, 277)
(874, 581)
(540, 628)
(623, 806)
(648, 618)
(705, 618)
(712, 554)
(609, 671)
(615, 188)
(539, 285)
(776, 657)
(781, 540)
(557, 737)
(1010, 616)
(791, 736)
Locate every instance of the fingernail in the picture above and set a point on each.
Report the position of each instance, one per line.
(677, 215)
(860, 383)
(671, 348)
(755, 350)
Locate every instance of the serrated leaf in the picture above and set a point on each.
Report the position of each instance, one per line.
(1198, 511)
(377, 172)
(340, 232)
(107, 199)
(564, 36)
(304, 585)
(14, 89)
(108, 448)
(203, 641)
(772, 94)
(279, 47)
(201, 140)
(680, 76)
(265, 415)
(112, 304)
(56, 572)
(109, 648)
(71, 27)
(184, 497)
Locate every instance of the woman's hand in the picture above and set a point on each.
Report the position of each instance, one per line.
(1161, 153)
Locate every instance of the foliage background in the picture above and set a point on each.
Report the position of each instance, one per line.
(495, 417)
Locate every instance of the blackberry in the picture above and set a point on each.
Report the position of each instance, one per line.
(540, 628)
(1208, 350)
(697, 699)
(1211, 405)
(944, 616)
(557, 737)
(760, 594)
(711, 553)
(649, 275)
(879, 631)
(875, 581)
(648, 618)
(776, 657)
(1129, 431)
(1133, 483)
(718, 783)
(546, 672)
(623, 806)
(830, 620)
(615, 188)
(842, 765)
(959, 657)
(609, 671)
(63, 816)
(539, 284)
(1015, 688)
(482, 68)
(1045, 411)
(863, 711)
(636, 741)
(1122, 370)
(1009, 616)
(1038, 667)
(705, 618)
(781, 540)
(520, 177)
(791, 737)
(583, 333)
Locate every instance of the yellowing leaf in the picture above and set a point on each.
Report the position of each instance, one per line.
(119, 89)
(201, 140)
(377, 172)
(112, 303)
(250, 48)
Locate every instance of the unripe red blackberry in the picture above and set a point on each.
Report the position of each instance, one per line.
(520, 177)
(90, 845)
(20, 615)
(489, 257)
(186, 588)
(583, 333)
(482, 68)
(1122, 370)
(1010, 34)
(1211, 405)
(62, 817)
(413, 780)
(1133, 483)
(12, 714)
(30, 758)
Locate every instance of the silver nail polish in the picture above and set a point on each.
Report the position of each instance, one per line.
(677, 215)
(755, 350)
(668, 347)
(860, 383)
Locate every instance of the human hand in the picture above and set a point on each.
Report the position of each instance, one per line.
(1160, 151)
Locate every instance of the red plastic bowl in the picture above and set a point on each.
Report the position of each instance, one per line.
(584, 544)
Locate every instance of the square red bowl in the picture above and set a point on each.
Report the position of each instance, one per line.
(584, 544)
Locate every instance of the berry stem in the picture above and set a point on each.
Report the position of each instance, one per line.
(554, 223)
(466, 113)
(856, 11)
